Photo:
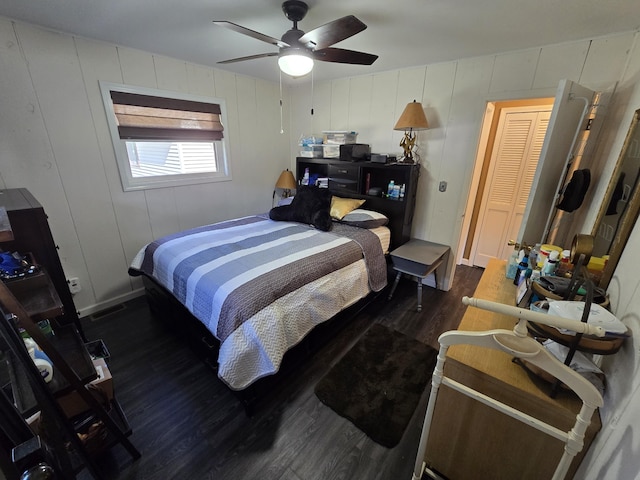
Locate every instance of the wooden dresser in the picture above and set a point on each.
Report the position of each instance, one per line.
(471, 440)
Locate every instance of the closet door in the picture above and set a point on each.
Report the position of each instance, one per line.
(519, 141)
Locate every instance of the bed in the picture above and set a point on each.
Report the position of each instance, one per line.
(255, 287)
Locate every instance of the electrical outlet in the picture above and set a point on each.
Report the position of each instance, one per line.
(443, 186)
(74, 284)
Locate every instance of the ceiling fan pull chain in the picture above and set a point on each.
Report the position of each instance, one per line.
(312, 99)
(281, 127)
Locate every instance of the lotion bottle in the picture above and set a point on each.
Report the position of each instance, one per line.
(390, 189)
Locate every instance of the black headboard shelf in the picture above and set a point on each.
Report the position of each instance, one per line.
(357, 179)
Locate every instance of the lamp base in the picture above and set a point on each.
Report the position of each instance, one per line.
(407, 160)
(407, 144)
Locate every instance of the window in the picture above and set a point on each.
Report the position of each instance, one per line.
(165, 138)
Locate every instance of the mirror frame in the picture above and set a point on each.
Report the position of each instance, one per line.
(629, 217)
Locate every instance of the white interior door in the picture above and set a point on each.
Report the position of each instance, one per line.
(568, 118)
(519, 140)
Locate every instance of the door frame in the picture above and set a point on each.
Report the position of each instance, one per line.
(486, 144)
(492, 164)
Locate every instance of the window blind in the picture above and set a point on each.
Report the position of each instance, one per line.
(146, 117)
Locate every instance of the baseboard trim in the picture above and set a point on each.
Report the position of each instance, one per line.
(97, 307)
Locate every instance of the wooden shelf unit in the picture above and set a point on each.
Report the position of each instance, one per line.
(45, 295)
(352, 179)
(31, 234)
(73, 369)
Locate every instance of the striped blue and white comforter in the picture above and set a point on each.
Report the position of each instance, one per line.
(260, 286)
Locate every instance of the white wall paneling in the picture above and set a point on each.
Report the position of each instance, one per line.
(137, 68)
(436, 100)
(171, 74)
(58, 146)
(100, 61)
(23, 156)
(606, 61)
(558, 62)
(55, 69)
(383, 111)
(321, 95)
(361, 107)
(468, 105)
(201, 80)
(514, 71)
(339, 115)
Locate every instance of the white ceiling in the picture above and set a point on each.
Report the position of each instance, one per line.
(401, 32)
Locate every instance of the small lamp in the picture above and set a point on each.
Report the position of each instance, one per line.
(286, 182)
(411, 120)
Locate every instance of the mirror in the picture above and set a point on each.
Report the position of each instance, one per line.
(619, 209)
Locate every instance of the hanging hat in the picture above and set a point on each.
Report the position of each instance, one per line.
(575, 190)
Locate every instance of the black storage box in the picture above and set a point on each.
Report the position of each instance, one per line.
(98, 349)
(355, 152)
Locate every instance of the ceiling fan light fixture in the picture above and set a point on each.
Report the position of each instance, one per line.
(295, 63)
(298, 49)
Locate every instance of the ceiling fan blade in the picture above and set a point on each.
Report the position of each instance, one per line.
(332, 32)
(250, 57)
(251, 33)
(340, 55)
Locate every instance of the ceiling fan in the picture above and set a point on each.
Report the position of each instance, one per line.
(298, 50)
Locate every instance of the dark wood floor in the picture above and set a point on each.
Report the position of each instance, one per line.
(187, 425)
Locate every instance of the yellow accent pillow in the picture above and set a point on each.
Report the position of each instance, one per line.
(341, 206)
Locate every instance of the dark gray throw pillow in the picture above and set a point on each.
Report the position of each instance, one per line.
(365, 218)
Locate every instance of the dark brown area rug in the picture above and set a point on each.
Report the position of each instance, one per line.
(378, 383)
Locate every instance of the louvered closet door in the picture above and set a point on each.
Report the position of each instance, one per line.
(519, 140)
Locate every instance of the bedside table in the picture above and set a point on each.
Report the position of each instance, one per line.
(417, 258)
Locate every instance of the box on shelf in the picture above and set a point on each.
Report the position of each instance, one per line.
(98, 349)
(311, 151)
(72, 404)
(339, 137)
(306, 140)
(331, 151)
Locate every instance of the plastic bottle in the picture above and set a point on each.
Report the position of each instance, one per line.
(512, 265)
(402, 191)
(564, 264)
(305, 178)
(533, 256)
(40, 359)
(396, 192)
(390, 189)
(523, 256)
(524, 274)
(542, 258)
(551, 263)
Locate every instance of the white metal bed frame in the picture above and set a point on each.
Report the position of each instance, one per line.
(520, 345)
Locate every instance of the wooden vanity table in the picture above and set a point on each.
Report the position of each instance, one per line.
(471, 440)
